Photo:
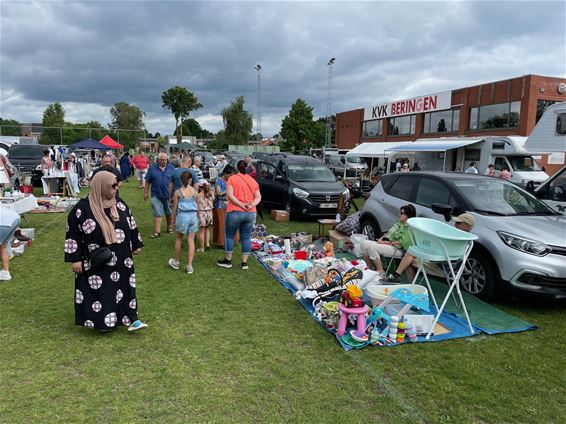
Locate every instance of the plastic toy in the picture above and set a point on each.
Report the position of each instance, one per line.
(328, 249)
(352, 296)
(401, 332)
(410, 331)
(393, 324)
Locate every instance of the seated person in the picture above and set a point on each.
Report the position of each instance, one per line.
(396, 240)
(464, 222)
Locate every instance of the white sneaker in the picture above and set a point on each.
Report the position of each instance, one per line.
(5, 275)
(174, 264)
(189, 269)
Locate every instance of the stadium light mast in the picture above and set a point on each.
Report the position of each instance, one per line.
(258, 115)
(329, 104)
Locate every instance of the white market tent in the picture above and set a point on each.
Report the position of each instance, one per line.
(375, 149)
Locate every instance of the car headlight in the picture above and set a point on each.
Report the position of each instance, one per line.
(301, 194)
(524, 245)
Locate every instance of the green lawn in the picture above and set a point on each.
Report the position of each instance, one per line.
(234, 346)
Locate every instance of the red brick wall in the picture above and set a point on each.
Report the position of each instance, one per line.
(527, 89)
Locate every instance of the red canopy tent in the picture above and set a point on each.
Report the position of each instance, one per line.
(109, 141)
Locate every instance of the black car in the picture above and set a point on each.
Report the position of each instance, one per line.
(27, 158)
(299, 184)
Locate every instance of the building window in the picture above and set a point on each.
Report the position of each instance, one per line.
(443, 121)
(541, 107)
(501, 115)
(372, 128)
(402, 125)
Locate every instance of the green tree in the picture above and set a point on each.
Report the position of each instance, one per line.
(237, 122)
(53, 116)
(219, 142)
(299, 129)
(191, 126)
(181, 102)
(127, 120)
(10, 127)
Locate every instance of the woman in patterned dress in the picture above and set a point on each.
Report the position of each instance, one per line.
(104, 297)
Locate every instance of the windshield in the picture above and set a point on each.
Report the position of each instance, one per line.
(26, 151)
(354, 159)
(523, 163)
(499, 197)
(316, 173)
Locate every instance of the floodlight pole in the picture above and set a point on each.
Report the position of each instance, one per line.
(258, 115)
(329, 104)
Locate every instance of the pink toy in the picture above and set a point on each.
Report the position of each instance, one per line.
(361, 321)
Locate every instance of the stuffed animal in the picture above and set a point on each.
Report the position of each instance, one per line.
(328, 249)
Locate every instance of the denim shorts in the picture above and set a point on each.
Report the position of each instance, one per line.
(160, 207)
(7, 232)
(186, 222)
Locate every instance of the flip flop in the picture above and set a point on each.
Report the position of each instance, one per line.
(155, 235)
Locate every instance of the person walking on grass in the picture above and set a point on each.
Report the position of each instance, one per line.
(141, 165)
(158, 178)
(101, 238)
(186, 221)
(243, 196)
(205, 202)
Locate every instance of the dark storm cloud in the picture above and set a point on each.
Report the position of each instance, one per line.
(93, 54)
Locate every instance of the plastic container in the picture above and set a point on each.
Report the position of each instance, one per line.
(28, 232)
(300, 255)
(431, 235)
(377, 293)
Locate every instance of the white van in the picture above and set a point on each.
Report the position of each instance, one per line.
(550, 135)
(340, 164)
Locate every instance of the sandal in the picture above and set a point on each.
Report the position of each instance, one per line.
(170, 230)
(155, 235)
(201, 250)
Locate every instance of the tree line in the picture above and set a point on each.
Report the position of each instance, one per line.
(299, 129)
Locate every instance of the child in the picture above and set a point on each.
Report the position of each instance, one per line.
(186, 220)
(205, 200)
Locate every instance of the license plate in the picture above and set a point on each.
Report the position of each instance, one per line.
(328, 205)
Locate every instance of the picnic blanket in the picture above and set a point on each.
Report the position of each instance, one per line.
(486, 319)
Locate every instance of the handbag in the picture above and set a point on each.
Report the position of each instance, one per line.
(99, 257)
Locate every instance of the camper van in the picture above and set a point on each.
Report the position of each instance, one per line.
(550, 135)
(456, 153)
(345, 165)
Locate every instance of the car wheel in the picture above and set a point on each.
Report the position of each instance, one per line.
(479, 277)
(370, 228)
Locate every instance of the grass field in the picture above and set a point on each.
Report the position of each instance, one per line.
(234, 346)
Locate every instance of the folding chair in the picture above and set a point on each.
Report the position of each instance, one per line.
(435, 241)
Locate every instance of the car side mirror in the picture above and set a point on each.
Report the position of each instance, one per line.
(442, 209)
(339, 177)
(530, 186)
(342, 160)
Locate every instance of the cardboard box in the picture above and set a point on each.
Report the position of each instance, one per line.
(279, 215)
(338, 239)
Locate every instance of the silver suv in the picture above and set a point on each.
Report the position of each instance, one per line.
(522, 242)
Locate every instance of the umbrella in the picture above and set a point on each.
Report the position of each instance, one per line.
(109, 141)
(89, 144)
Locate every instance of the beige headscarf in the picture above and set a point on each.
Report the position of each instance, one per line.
(103, 197)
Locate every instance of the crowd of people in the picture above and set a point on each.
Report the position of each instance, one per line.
(102, 234)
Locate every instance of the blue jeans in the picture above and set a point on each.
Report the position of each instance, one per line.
(243, 221)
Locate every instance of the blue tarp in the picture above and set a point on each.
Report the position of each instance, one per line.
(89, 144)
(457, 324)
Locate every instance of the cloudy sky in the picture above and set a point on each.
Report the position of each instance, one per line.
(89, 55)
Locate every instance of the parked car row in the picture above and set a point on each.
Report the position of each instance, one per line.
(522, 241)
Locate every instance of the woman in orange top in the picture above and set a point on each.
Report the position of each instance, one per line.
(242, 193)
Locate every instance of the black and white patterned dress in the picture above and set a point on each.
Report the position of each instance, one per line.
(105, 297)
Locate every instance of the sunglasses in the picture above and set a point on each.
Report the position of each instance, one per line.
(115, 186)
